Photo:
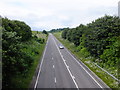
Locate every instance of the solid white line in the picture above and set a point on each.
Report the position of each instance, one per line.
(53, 66)
(85, 70)
(73, 77)
(61, 55)
(64, 60)
(67, 67)
(55, 79)
(41, 65)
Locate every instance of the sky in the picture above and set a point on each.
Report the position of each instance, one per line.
(52, 14)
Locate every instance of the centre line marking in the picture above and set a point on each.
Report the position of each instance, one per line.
(66, 66)
(55, 79)
(83, 68)
(53, 66)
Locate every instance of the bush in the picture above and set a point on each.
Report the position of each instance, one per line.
(84, 52)
(18, 50)
(111, 55)
(22, 30)
(99, 39)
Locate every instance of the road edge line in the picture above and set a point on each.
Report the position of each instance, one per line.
(40, 65)
(85, 69)
(66, 66)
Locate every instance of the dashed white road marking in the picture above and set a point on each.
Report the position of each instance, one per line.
(53, 66)
(84, 69)
(67, 67)
(55, 79)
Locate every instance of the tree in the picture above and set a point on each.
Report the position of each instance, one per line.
(64, 33)
(21, 29)
(14, 60)
(100, 38)
(45, 32)
(99, 33)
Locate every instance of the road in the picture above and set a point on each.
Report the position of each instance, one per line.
(60, 69)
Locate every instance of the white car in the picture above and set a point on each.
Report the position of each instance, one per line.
(61, 47)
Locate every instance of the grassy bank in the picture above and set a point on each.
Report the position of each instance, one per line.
(35, 49)
(88, 61)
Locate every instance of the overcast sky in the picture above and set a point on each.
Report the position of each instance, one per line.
(51, 14)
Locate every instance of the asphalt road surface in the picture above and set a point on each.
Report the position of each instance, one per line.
(60, 69)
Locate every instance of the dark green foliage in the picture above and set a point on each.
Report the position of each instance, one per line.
(74, 34)
(77, 34)
(39, 40)
(56, 30)
(65, 33)
(100, 31)
(45, 32)
(18, 50)
(111, 55)
(22, 29)
(14, 60)
(68, 35)
(99, 38)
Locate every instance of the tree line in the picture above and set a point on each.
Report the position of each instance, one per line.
(100, 39)
(18, 50)
(56, 30)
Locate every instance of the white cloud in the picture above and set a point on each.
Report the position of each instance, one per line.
(48, 14)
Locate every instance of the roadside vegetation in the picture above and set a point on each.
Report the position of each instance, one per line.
(21, 52)
(97, 42)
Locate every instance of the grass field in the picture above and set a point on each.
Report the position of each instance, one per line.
(88, 61)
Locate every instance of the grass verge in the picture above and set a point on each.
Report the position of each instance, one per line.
(88, 62)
